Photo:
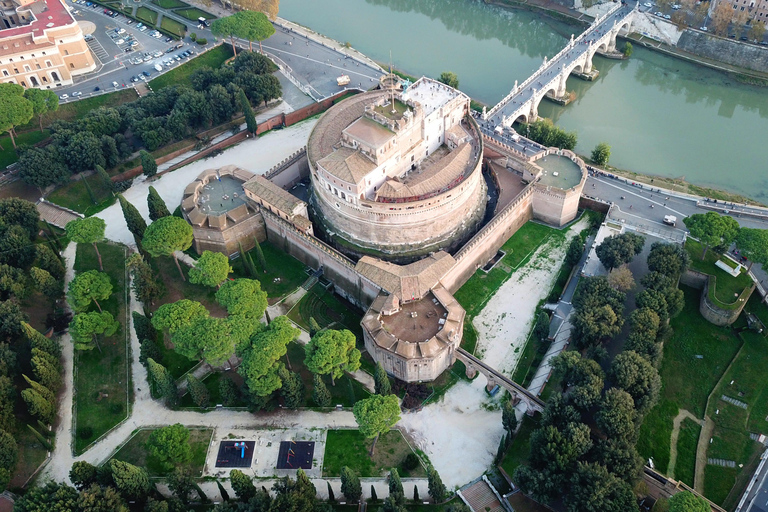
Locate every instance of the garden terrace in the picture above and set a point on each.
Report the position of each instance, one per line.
(725, 290)
(417, 320)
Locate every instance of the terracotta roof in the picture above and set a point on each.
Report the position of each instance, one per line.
(369, 132)
(274, 195)
(47, 12)
(347, 164)
(408, 282)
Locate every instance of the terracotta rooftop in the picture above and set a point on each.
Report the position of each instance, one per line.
(46, 12)
(408, 282)
(369, 132)
(281, 199)
(347, 164)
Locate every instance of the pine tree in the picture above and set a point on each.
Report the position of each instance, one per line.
(242, 485)
(260, 255)
(331, 497)
(381, 380)
(292, 390)
(157, 207)
(49, 261)
(436, 487)
(247, 262)
(46, 371)
(314, 327)
(38, 405)
(197, 390)
(37, 340)
(162, 380)
(133, 219)
(320, 394)
(350, 485)
(252, 266)
(245, 106)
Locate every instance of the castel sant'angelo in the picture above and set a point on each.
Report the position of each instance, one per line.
(398, 215)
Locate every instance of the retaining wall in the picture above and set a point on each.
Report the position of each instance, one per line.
(708, 309)
(735, 53)
(290, 171)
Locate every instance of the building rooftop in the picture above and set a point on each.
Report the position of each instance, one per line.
(48, 14)
(430, 94)
(274, 195)
(417, 320)
(347, 164)
(559, 171)
(390, 112)
(407, 282)
(370, 132)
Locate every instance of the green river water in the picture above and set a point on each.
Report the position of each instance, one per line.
(661, 115)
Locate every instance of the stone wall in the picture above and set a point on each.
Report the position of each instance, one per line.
(424, 369)
(594, 204)
(707, 308)
(290, 171)
(226, 241)
(339, 269)
(482, 247)
(730, 51)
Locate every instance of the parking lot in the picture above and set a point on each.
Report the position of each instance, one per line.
(127, 52)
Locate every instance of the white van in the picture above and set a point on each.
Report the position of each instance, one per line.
(158, 67)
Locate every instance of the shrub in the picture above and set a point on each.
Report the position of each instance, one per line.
(193, 36)
(202, 41)
(85, 433)
(410, 462)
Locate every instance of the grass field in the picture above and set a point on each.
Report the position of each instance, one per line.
(350, 448)
(213, 58)
(101, 387)
(284, 272)
(346, 392)
(481, 286)
(520, 449)
(176, 289)
(686, 451)
(718, 482)
(146, 14)
(170, 4)
(727, 288)
(173, 26)
(328, 310)
(655, 432)
(193, 13)
(135, 452)
(31, 452)
(75, 196)
(8, 153)
(76, 109)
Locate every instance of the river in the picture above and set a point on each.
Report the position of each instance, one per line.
(661, 115)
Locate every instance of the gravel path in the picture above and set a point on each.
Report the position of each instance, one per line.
(683, 414)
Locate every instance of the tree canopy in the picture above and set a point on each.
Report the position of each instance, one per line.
(753, 244)
(260, 366)
(87, 287)
(170, 445)
(601, 154)
(178, 315)
(712, 230)
(635, 375)
(332, 352)
(668, 259)
(42, 101)
(87, 327)
(15, 109)
(617, 250)
(87, 231)
(156, 205)
(376, 415)
(686, 501)
(167, 235)
(449, 78)
(207, 338)
(211, 269)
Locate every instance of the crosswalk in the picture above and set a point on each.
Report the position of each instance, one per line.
(98, 50)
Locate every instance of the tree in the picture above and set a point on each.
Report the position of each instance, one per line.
(655, 301)
(167, 235)
(228, 392)
(260, 367)
(721, 18)
(437, 489)
(52, 496)
(292, 390)
(49, 261)
(621, 278)
(46, 369)
(332, 352)
(87, 287)
(11, 318)
(686, 501)
(670, 260)
(260, 255)
(320, 394)
(101, 499)
(209, 339)
(157, 207)
(294, 495)
(181, 484)
(40, 400)
(82, 474)
(9, 451)
(593, 489)
(449, 78)
(756, 31)
(644, 320)
(753, 244)
(162, 380)
(133, 219)
(617, 250)
(602, 151)
(143, 280)
(253, 26)
(42, 101)
(38, 341)
(509, 418)
(376, 415)
(15, 109)
(178, 315)
(574, 252)
(211, 269)
(13, 282)
(632, 373)
(106, 182)
(350, 485)
(616, 417)
(199, 393)
(381, 381)
(243, 297)
(148, 164)
(16, 211)
(170, 445)
(620, 458)
(395, 484)
(591, 326)
(88, 231)
(226, 27)
(87, 327)
(245, 106)
(132, 482)
(242, 485)
(541, 329)
(712, 229)
(627, 52)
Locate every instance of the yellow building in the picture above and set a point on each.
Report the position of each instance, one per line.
(41, 44)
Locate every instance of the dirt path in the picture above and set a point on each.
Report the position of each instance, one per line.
(683, 414)
(701, 453)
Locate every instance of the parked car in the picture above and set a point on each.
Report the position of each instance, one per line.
(146, 74)
(120, 41)
(134, 43)
(648, 4)
(96, 89)
(158, 67)
(142, 29)
(168, 39)
(115, 84)
(667, 17)
(77, 93)
(64, 96)
(703, 29)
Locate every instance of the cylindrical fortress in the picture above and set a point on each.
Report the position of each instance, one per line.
(398, 174)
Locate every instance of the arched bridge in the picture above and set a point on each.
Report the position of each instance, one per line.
(522, 103)
(517, 391)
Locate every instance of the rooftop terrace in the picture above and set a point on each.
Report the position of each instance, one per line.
(431, 94)
(416, 321)
(559, 171)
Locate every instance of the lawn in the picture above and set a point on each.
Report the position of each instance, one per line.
(520, 449)
(687, 441)
(102, 378)
(481, 286)
(135, 452)
(213, 58)
(148, 15)
(328, 310)
(77, 109)
(350, 448)
(727, 288)
(718, 482)
(176, 289)
(8, 153)
(284, 272)
(346, 392)
(173, 26)
(193, 13)
(170, 4)
(76, 196)
(655, 432)
(31, 452)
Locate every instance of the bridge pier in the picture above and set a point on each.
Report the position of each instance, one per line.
(471, 371)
